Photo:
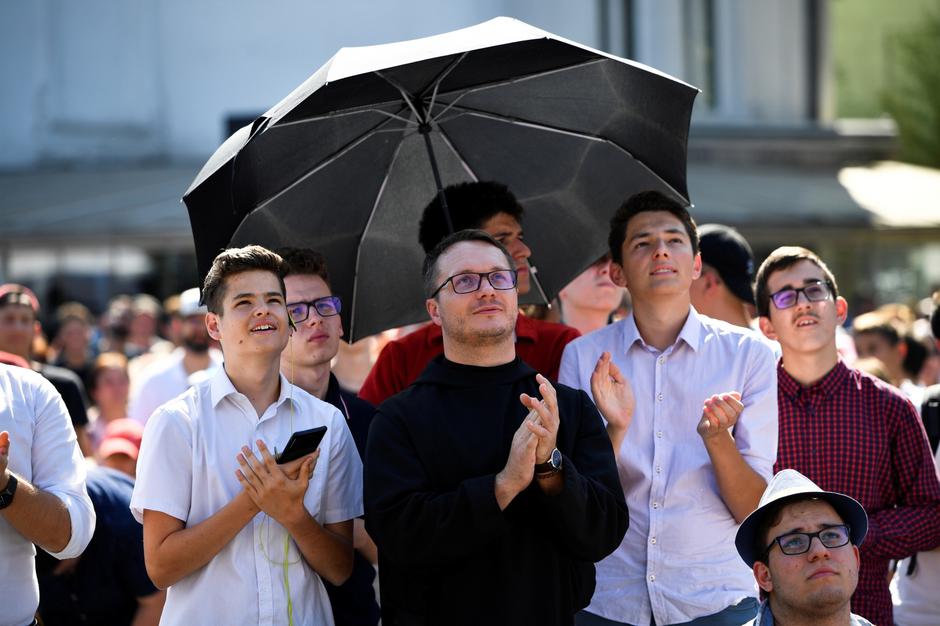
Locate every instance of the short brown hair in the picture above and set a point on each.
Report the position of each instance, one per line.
(105, 361)
(783, 258)
(429, 270)
(235, 261)
(878, 323)
(304, 261)
(644, 202)
(69, 311)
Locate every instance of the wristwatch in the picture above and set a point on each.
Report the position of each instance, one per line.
(550, 467)
(6, 496)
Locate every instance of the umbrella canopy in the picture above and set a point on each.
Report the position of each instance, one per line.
(346, 163)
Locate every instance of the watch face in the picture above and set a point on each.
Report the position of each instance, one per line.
(556, 458)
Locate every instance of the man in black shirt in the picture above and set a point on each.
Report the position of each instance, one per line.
(488, 505)
(306, 363)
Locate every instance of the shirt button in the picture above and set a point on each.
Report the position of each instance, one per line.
(656, 505)
(652, 578)
(661, 360)
(659, 396)
(659, 434)
(653, 540)
(659, 470)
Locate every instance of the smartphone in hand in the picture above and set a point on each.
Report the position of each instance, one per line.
(301, 443)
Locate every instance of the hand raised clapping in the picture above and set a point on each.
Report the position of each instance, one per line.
(719, 414)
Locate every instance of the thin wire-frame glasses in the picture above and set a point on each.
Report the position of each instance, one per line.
(468, 282)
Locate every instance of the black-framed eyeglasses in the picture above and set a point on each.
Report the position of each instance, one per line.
(468, 282)
(327, 306)
(799, 543)
(814, 292)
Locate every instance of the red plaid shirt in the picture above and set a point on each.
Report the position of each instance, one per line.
(853, 434)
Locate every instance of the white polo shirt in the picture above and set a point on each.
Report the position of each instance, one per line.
(44, 451)
(186, 469)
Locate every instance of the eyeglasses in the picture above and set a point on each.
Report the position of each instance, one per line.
(799, 543)
(469, 282)
(326, 307)
(789, 296)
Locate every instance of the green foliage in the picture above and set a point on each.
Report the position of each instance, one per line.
(913, 91)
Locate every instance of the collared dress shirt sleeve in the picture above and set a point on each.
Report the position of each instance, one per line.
(58, 467)
(756, 431)
(164, 466)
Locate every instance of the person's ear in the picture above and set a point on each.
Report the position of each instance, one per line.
(762, 576)
(767, 327)
(434, 310)
(697, 266)
(212, 326)
(617, 274)
(842, 309)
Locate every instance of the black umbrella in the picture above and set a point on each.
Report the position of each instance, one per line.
(346, 162)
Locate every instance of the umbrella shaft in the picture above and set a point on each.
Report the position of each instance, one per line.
(425, 130)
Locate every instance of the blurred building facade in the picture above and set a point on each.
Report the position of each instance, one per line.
(109, 110)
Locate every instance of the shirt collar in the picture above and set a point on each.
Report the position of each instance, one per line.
(333, 395)
(827, 385)
(220, 387)
(691, 332)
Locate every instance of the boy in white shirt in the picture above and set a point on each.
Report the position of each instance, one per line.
(236, 537)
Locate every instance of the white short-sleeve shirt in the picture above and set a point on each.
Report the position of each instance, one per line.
(186, 469)
(43, 451)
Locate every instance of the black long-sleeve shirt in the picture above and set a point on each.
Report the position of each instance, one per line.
(447, 554)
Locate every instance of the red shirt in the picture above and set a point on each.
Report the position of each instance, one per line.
(853, 434)
(538, 343)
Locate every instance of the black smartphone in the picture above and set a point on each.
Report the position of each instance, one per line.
(301, 443)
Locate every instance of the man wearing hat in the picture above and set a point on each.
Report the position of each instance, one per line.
(724, 291)
(802, 544)
(193, 362)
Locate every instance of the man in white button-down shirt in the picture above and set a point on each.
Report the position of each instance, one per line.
(42, 488)
(238, 538)
(691, 410)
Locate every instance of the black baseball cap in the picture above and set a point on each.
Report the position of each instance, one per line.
(724, 249)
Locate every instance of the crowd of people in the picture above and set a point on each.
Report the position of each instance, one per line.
(685, 438)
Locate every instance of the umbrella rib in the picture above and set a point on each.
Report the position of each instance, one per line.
(405, 96)
(331, 116)
(520, 79)
(365, 230)
(509, 81)
(437, 81)
(457, 154)
(562, 131)
(328, 160)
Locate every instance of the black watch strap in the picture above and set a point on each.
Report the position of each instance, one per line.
(6, 496)
(550, 467)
